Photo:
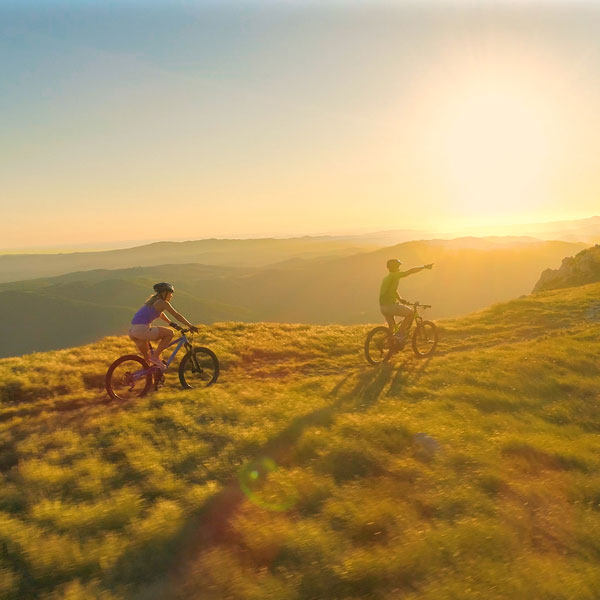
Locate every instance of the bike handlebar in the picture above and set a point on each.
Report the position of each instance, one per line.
(417, 303)
(179, 328)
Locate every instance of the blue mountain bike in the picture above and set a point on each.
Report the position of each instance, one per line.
(130, 376)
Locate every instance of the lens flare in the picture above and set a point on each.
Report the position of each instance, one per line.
(266, 486)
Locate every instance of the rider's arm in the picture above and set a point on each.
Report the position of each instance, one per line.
(401, 299)
(417, 269)
(168, 308)
(164, 317)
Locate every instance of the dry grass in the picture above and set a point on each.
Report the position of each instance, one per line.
(299, 476)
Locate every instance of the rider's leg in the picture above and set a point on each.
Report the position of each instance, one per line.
(391, 321)
(142, 347)
(141, 344)
(408, 314)
(164, 337)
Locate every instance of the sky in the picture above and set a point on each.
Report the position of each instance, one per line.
(145, 120)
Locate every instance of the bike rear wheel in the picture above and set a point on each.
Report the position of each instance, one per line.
(198, 368)
(126, 379)
(377, 345)
(425, 339)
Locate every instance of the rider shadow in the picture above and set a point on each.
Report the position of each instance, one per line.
(211, 526)
(370, 385)
(404, 377)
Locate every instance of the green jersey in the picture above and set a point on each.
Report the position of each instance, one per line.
(389, 287)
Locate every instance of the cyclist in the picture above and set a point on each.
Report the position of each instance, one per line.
(389, 297)
(141, 332)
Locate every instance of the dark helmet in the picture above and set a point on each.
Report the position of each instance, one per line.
(393, 263)
(163, 287)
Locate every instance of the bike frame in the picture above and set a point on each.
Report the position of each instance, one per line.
(416, 318)
(178, 343)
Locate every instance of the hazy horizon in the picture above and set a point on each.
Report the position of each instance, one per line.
(189, 120)
(489, 231)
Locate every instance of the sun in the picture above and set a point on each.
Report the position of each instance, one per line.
(494, 147)
(489, 137)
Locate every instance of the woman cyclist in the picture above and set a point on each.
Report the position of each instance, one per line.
(141, 332)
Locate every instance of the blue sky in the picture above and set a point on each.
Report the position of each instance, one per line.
(289, 117)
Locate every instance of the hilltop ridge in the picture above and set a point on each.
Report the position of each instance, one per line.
(469, 274)
(303, 473)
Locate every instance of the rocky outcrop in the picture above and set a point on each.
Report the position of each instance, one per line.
(580, 269)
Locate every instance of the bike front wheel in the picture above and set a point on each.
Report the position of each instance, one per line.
(425, 339)
(128, 377)
(377, 345)
(198, 368)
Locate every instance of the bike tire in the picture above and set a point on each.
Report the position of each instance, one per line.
(377, 347)
(425, 339)
(117, 382)
(199, 368)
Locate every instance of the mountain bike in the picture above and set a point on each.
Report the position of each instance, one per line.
(130, 376)
(424, 338)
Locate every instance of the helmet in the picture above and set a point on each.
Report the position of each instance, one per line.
(393, 263)
(163, 287)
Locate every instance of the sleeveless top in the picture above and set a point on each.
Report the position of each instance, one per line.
(145, 315)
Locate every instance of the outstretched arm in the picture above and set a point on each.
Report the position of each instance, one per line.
(417, 269)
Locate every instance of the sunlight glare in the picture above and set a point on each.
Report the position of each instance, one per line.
(490, 134)
(494, 147)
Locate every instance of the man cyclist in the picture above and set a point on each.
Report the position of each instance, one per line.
(141, 332)
(389, 297)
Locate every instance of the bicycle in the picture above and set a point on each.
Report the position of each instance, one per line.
(424, 338)
(130, 376)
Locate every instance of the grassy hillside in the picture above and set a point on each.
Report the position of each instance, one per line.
(473, 474)
(469, 273)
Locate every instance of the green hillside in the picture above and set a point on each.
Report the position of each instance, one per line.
(176, 495)
(469, 274)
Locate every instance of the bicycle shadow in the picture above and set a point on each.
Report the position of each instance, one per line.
(405, 377)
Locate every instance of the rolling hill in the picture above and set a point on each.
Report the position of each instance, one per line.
(268, 251)
(304, 473)
(249, 253)
(469, 274)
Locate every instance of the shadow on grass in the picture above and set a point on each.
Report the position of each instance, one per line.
(210, 526)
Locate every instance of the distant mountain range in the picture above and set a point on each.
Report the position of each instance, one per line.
(249, 253)
(271, 251)
(469, 274)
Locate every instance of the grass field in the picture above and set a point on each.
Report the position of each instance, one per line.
(307, 474)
